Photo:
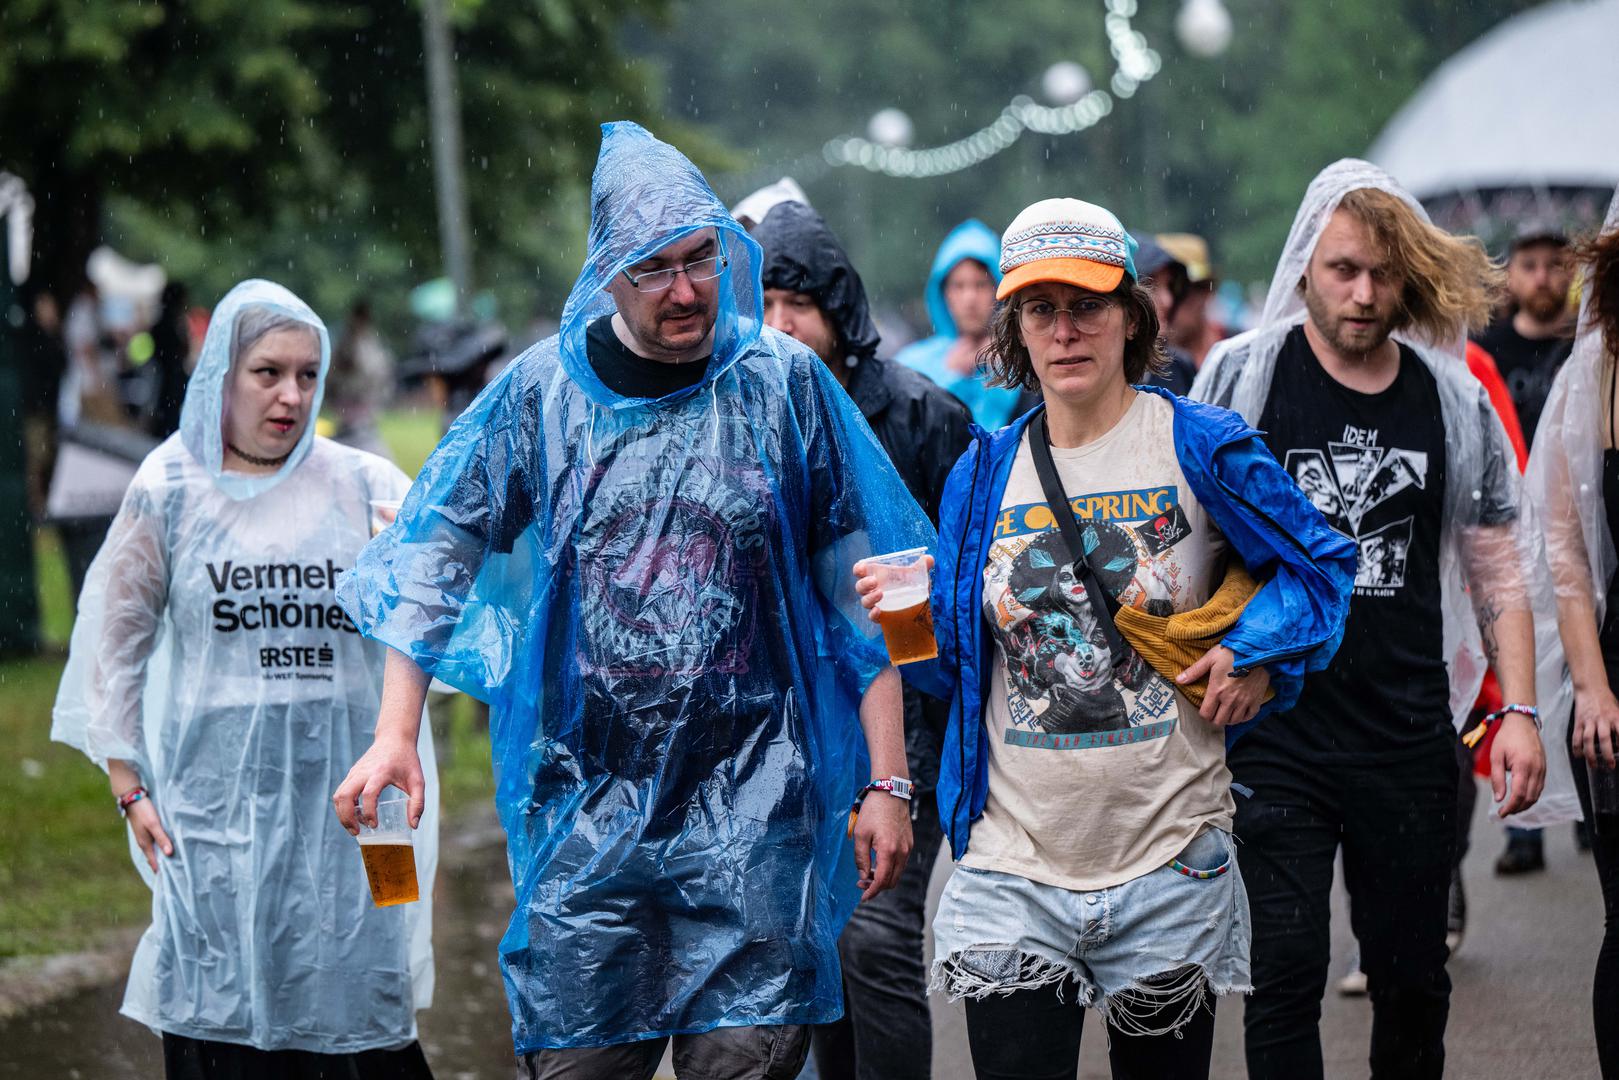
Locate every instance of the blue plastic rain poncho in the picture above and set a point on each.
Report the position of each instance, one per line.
(992, 406)
(655, 598)
(210, 652)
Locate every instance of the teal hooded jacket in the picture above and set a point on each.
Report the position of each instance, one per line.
(992, 407)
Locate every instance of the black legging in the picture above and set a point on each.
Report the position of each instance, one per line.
(1034, 1035)
(1605, 986)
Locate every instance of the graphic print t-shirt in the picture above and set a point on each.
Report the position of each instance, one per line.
(1097, 775)
(1374, 465)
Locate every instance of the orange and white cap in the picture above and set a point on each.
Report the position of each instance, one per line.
(1066, 240)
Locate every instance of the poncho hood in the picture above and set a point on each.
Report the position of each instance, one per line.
(202, 416)
(644, 196)
(801, 254)
(972, 239)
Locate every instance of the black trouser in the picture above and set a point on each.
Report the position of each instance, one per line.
(1466, 794)
(1034, 1035)
(1604, 833)
(185, 1058)
(886, 1030)
(1395, 821)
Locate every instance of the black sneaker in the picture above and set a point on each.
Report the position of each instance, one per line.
(1524, 855)
(1456, 919)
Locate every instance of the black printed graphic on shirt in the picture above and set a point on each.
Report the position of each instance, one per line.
(1375, 465)
(1349, 480)
(1063, 690)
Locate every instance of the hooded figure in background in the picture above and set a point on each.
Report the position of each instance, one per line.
(636, 545)
(211, 664)
(960, 296)
(812, 293)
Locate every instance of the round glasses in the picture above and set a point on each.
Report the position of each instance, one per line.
(1089, 315)
(658, 280)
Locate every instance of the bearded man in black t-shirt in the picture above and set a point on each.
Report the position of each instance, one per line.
(1535, 335)
(1402, 452)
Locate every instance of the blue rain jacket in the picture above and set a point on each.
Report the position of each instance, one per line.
(1291, 626)
(656, 599)
(991, 406)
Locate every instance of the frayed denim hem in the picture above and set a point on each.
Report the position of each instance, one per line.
(1001, 969)
(1136, 1010)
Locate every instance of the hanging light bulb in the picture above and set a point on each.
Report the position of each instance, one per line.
(1204, 27)
(890, 127)
(1065, 82)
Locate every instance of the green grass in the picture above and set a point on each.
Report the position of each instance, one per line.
(55, 591)
(411, 434)
(65, 875)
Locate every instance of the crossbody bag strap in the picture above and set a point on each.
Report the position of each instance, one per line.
(1102, 602)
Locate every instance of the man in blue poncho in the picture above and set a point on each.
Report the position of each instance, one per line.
(961, 296)
(636, 545)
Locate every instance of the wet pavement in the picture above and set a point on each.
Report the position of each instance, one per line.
(1521, 1006)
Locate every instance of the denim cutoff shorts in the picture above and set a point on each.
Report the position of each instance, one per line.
(1131, 950)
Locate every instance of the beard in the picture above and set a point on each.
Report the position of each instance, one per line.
(1543, 305)
(1346, 339)
(652, 333)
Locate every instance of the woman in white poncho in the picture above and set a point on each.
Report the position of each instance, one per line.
(1574, 478)
(215, 678)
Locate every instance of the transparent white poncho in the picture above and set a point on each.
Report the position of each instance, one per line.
(1565, 468)
(210, 652)
(1506, 562)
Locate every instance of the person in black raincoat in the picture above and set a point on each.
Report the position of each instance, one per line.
(812, 293)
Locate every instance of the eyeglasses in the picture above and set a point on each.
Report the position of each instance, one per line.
(1089, 314)
(658, 280)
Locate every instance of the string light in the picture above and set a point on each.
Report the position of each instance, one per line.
(1135, 63)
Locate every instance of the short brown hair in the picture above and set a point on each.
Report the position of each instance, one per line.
(1451, 285)
(1007, 357)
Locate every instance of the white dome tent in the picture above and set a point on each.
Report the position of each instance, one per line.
(1523, 122)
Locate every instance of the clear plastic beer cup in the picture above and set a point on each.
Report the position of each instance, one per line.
(383, 512)
(903, 612)
(390, 861)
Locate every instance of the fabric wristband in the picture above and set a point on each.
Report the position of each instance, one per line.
(130, 798)
(1474, 737)
(897, 786)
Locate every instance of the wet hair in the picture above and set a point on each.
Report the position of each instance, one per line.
(1006, 357)
(1599, 255)
(256, 322)
(1451, 284)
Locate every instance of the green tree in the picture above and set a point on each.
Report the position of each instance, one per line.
(290, 139)
(1223, 147)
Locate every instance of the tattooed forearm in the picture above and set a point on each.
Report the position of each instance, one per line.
(1489, 612)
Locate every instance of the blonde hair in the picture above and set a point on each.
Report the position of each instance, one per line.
(1451, 284)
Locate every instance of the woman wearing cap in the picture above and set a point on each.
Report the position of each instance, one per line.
(215, 678)
(1083, 784)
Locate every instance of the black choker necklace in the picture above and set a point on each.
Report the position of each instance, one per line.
(261, 462)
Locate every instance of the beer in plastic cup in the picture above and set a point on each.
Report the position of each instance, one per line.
(390, 861)
(903, 612)
(383, 512)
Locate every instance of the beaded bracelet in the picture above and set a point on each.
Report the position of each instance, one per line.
(130, 798)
